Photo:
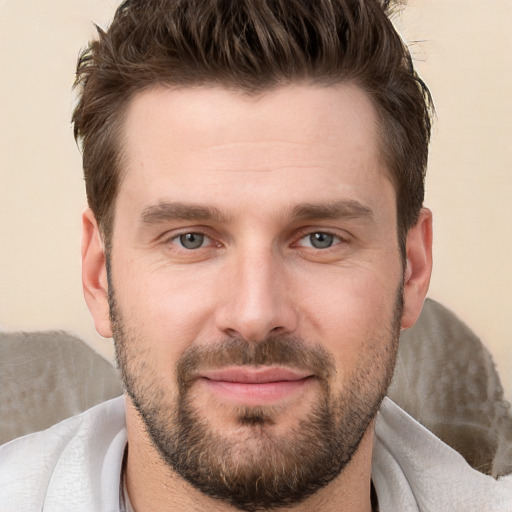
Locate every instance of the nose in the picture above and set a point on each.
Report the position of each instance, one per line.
(256, 298)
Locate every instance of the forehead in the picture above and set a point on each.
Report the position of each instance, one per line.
(296, 138)
(189, 118)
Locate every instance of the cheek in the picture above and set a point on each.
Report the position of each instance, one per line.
(351, 311)
(167, 310)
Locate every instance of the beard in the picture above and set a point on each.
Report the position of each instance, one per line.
(256, 468)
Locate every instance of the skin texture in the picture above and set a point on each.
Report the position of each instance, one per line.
(258, 176)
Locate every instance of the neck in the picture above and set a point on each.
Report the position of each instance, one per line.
(153, 485)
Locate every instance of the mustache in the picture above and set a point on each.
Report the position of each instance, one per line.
(292, 352)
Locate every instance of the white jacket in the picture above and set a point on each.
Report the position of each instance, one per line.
(76, 466)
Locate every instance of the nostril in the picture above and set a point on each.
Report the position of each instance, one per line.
(231, 333)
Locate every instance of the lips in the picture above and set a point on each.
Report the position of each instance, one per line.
(255, 386)
(250, 375)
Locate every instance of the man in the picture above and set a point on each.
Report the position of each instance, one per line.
(254, 244)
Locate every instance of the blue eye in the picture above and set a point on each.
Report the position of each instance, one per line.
(321, 240)
(191, 240)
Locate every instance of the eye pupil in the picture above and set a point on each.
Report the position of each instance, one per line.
(191, 240)
(321, 240)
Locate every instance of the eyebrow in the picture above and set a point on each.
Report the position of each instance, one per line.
(344, 209)
(165, 211)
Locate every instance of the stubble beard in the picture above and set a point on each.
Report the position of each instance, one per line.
(257, 470)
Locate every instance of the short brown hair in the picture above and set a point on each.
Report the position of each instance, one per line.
(251, 46)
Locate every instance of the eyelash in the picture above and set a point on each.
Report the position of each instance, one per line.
(335, 240)
(175, 240)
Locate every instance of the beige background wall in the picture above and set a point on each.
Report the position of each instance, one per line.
(464, 55)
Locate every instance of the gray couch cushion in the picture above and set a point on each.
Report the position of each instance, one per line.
(46, 377)
(446, 379)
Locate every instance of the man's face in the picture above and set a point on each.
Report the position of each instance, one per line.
(255, 284)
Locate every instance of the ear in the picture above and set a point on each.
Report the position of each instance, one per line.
(94, 274)
(418, 267)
